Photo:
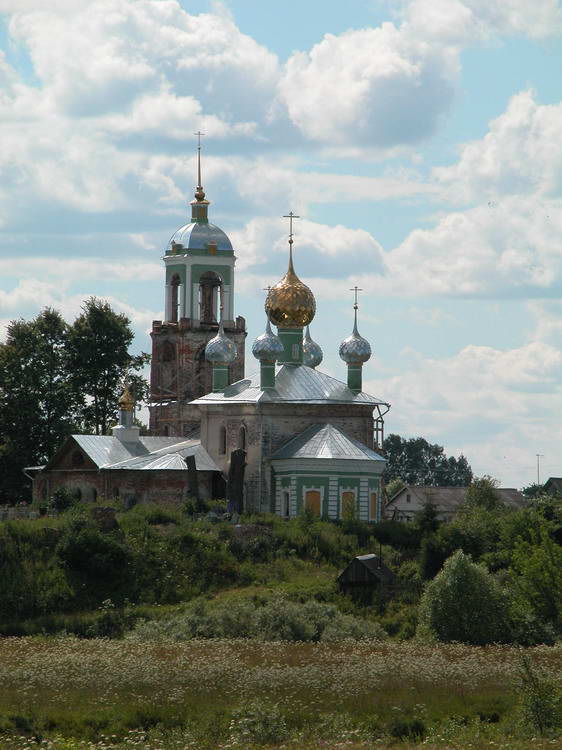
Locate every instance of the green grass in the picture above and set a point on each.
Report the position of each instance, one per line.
(202, 694)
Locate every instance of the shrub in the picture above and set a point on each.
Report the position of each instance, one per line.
(540, 699)
(258, 722)
(344, 627)
(64, 498)
(277, 620)
(464, 603)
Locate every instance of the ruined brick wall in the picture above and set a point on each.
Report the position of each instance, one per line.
(179, 371)
(162, 486)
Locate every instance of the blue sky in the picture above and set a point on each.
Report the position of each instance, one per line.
(419, 140)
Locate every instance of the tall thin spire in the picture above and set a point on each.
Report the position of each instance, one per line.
(355, 308)
(199, 192)
(291, 216)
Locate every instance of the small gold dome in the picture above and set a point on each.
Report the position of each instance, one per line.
(126, 401)
(290, 303)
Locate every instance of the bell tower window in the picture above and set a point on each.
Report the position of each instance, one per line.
(209, 286)
(175, 284)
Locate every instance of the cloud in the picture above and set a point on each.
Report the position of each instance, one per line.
(480, 393)
(512, 248)
(265, 239)
(31, 295)
(521, 153)
(101, 59)
(68, 269)
(474, 20)
(377, 87)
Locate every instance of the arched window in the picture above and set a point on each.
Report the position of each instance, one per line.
(222, 440)
(209, 286)
(175, 283)
(242, 438)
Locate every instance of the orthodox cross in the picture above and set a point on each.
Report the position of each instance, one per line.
(199, 134)
(291, 216)
(355, 290)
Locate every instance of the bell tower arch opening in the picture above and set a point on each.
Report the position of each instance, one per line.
(175, 298)
(210, 285)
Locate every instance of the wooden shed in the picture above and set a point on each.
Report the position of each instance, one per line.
(366, 572)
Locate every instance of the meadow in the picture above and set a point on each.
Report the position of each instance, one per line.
(65, 693)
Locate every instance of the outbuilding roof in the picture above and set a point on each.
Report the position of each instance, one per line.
(326, 441)
(450, 499)
(294, 384)
(146, 453)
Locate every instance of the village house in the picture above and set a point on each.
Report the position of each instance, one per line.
(408, 501)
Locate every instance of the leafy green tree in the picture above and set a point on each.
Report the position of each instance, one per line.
(482, 493)
(533, 490)
(416, 461)
(538, 567)
(37, 407)
(394, 486)
(426, 519)
(464, 603)
(99, 360)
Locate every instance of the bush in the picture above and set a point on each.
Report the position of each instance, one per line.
(258, 723)
(464, 603)
(64, 498)
(277, 620)
(540, 700)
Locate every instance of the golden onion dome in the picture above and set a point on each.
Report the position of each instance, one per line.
(290, 303)
(126, 401)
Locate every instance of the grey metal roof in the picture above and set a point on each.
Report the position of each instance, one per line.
(293, 383)
(326, 441)
(451, 498)
(152, 453)
(171, 457)
(198, 235)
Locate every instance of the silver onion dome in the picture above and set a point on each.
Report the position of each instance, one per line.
(312, 354)
(355, 349)
(220, 350)
(268, 346)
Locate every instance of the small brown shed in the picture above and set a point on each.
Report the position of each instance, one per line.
(366, 571)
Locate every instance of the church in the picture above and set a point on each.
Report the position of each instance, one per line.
(308, 440)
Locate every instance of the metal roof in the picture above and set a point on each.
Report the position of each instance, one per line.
(451, 498)
(295, 384)
(198, 235)
(171, 457)
(152, 453)
(326, 441)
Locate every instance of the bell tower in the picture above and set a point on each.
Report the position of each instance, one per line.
(199, 263)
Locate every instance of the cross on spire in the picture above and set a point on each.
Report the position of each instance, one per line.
(291, 216)
(199, 194)
(355, 290)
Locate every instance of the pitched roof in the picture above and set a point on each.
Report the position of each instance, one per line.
(325, 441)
(451, 498)
(295, 384)
(372, 563)
(148, 453)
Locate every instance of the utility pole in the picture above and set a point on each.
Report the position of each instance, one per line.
(539, 456)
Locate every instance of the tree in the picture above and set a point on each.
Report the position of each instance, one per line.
(426, 519)
(37, 408)
(482, 493)
(416, 461)
(538, 565)
(464, 603)
(99, 360)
